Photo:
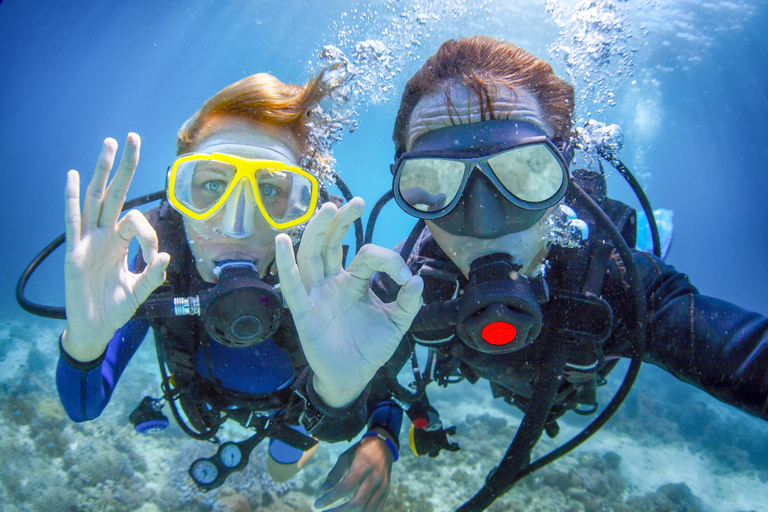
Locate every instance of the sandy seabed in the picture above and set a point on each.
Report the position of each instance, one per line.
(670, 448)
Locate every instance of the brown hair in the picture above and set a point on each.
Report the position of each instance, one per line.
(261, 98)
(482, 63)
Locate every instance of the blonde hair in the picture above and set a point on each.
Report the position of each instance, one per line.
(261, 98)
(482, 64)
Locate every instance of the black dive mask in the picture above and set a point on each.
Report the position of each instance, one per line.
(499, 311)
(484, 179)
(239, 311)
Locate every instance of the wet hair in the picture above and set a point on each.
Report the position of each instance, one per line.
(483, 64)
(261, 98)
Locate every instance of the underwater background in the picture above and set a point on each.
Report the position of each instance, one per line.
(687, 82)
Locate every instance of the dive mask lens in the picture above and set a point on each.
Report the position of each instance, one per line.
(199, 185)
(285, 196)
(527, 175)
(531, 173)
(430, 184)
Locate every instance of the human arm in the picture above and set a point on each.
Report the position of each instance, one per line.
(85, 388)
(101, 293)
(716, 346)
(363, 471)
(346, 332)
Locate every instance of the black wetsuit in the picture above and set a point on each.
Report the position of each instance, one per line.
(716, 346)
(212, 377)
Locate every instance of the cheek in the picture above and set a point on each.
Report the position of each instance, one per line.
(198, 237)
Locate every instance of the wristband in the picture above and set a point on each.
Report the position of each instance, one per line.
(386, 440)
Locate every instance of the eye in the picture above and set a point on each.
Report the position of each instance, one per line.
(215, 186)
(268, 190)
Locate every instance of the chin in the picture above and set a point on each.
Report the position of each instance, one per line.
(525, 247)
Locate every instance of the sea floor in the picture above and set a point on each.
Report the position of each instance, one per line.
(670, 448)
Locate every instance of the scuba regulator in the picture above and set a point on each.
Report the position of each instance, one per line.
(499, 311)
(239, 311)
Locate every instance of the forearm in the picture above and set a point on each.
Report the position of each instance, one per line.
(386, 420)
(86, 387)
(709, 343)
(718, 347)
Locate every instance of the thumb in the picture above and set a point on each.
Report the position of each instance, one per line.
(152, 276)
(408, 303)
(338, 471)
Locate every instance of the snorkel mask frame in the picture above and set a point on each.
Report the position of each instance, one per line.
(474, 144)
(245, 169)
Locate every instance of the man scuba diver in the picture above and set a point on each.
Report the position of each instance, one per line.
(246, 180)
(530, 281)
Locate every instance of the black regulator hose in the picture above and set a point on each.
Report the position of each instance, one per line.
(488, 494)
(634, 367)
(358, 223)
(58, 312)
(638, 190)
(383, 200)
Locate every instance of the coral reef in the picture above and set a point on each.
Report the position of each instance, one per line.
(52, 464)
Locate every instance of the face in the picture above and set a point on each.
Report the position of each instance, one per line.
(238, 230)
(526, 245)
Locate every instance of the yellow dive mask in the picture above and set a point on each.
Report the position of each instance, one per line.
(199, 185)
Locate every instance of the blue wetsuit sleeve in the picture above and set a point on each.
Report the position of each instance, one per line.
(85, 388)
(709, 343)
(388, 416)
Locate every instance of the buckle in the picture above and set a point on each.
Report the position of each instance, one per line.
(310, 417)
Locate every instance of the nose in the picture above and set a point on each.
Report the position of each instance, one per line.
(484, 212)
(482, 206)
(238, 218)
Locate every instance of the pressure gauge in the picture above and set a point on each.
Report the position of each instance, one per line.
(230, 455)
(204, 472)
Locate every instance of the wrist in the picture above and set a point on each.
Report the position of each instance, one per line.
(336, 398)
(385, 437)
(80, 349)
(84, 366)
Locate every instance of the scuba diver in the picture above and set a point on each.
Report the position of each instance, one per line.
(531, 281)
(239, 194)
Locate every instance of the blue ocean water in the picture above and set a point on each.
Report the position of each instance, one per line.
(685, 80)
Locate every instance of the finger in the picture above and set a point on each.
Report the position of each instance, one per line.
(334, 477)
(134, 224)
(365, 499)
(382, 501)
(408, 304)
(152, 276)
(94, 194)
(72, 210)
(339, 469)
(333, 252)
(290, 280)
(372, 259)
(310, 255)
(114, 196)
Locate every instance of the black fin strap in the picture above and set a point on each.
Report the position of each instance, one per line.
(518, 456)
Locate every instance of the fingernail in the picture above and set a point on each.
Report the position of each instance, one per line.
(405, 274)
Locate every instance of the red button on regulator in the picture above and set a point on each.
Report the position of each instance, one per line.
(420, 422)
(499, 333)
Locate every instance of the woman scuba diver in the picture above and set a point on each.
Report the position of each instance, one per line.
(239, 194)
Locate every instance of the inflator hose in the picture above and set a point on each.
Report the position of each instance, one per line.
(488, 494)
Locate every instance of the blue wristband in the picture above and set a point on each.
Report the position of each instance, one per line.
(389, 443)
